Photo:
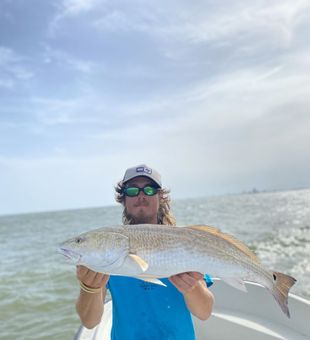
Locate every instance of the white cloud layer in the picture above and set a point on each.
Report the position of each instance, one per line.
(212, 94)
(12, 69)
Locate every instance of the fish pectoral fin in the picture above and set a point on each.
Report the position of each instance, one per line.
(152, 280)
(139, 261)
(236, 283)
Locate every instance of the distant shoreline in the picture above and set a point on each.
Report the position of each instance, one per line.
(253, 191)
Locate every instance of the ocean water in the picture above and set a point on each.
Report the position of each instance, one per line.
(38, 288)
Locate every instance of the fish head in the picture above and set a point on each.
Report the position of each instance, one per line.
(96, 249)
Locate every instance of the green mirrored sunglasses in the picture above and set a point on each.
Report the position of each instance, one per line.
(134, 191)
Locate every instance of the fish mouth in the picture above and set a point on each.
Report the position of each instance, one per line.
(70, 254)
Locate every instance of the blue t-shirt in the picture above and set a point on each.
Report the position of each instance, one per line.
(147, 311)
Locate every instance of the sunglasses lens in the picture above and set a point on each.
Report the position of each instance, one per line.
(149, 191)
(132, 191)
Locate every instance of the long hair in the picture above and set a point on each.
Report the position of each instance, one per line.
(165, 216)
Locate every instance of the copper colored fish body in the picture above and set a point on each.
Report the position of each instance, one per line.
(150, 252)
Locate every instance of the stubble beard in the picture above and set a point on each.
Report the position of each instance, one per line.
(141, 218)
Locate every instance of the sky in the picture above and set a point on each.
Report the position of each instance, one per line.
(215, 95)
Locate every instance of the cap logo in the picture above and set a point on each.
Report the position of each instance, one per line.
(144, 170)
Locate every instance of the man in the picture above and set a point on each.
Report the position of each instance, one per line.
(143, 310)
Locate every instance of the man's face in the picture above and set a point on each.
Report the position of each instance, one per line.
(142, 208)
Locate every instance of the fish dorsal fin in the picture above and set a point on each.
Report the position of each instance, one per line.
(229, 238)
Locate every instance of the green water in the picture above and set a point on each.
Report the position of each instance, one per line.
(38, 288)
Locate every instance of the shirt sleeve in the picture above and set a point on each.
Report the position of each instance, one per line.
(108, 284)
(208, 280)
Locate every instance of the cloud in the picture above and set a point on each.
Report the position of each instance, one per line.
(8, 56)
(52, 112)
(62, 58)
(77, 7)
(227, 102)
(207, 22)
(235, 130)
(7, 83)
(71, 8)
(213, 94)
(12, 69)
(180, 21)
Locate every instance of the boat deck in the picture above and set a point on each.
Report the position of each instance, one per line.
(254, 315)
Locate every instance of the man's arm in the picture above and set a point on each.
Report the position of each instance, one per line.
(89, 306)
(198, 298)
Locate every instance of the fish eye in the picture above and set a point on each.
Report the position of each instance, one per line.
(78, 239)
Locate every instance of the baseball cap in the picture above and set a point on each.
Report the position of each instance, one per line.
(142, 170)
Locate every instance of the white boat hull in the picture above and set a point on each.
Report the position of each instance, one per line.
(236, 315)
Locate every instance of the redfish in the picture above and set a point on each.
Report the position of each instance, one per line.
(150, 252)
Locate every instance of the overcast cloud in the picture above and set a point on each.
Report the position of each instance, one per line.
(214, 95)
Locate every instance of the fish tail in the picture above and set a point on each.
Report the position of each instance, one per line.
(281, 287)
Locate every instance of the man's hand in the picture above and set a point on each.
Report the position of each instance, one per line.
(185, 282)
(198, 298)
(90, 278)
(90, 306)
